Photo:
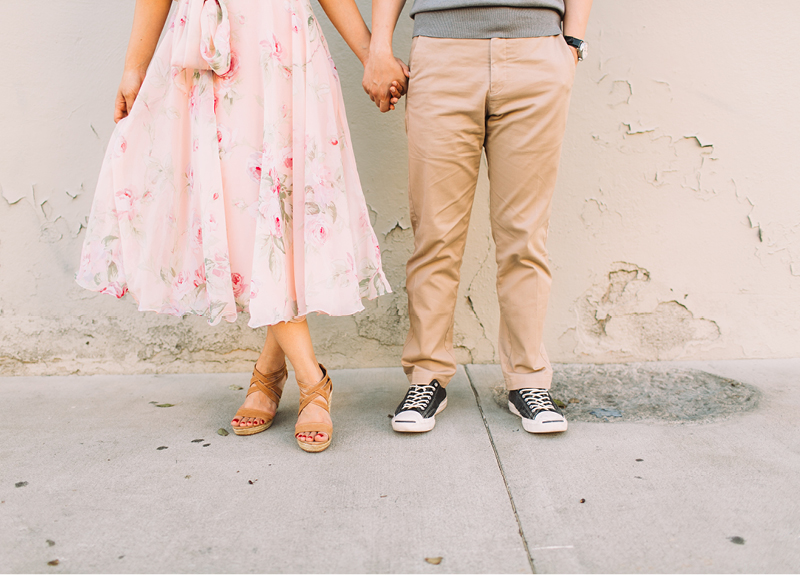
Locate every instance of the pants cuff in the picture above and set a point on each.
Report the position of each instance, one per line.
(420, 376)
(541, 379)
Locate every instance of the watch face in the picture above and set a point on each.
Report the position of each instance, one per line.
(583, 51)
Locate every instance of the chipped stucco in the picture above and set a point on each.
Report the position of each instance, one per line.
(675, 229)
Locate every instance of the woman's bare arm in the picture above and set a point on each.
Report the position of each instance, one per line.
(346, 18)
(148, 22)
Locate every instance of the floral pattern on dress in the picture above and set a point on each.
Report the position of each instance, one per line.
(234, 188)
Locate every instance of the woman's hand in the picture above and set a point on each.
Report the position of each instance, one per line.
(128, 90)
(382, 72)
(149, 17)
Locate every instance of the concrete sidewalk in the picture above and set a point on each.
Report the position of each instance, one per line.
(95, 475)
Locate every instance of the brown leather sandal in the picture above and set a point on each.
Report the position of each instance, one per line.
(319, 394)
(270, 385)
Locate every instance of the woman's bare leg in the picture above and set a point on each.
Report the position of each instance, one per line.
(295, 339)
(271, 359)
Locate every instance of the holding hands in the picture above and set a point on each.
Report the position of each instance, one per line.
(385, 78)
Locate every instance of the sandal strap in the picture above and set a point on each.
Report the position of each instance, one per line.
(318, 427)
(268, 383)
(318, 393)
(255, 413)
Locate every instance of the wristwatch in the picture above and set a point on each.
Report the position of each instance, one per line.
(580, 45)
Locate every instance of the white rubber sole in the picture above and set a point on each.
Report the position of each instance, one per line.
(545, 424)
(421, 426)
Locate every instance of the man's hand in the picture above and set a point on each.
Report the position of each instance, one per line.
(574, 53)
(382, 72)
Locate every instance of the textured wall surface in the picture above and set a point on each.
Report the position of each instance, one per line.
(675, 229)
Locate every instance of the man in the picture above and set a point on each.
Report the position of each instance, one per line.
(493, 75)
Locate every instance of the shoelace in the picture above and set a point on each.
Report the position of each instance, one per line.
(537, 399)
(418, 397)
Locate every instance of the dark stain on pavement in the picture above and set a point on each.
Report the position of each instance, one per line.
(644, 392)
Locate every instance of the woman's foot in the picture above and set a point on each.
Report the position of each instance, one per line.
(314, 413)
(259, 401)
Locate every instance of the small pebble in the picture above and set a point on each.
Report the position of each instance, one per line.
(198, 440)
(640, 460)
(235, 387)
(53, 563)
(160, 448)
(206, 444)
(583, 501)
(50, 542)
(433, 560)
(21, 484)
(737, 540)
(222, 432)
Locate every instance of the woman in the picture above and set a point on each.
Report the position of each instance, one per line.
(230, 185)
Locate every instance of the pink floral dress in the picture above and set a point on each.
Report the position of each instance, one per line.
(232, 185)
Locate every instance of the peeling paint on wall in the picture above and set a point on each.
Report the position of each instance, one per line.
(627, 316)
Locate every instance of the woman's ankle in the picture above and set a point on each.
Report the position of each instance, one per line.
(309, 374)
(270, 364)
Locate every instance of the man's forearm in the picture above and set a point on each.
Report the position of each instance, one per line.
(384, 19)
(576, 17)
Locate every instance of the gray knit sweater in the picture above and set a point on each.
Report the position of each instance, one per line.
(487, 18)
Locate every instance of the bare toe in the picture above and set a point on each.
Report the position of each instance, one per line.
(321, 437)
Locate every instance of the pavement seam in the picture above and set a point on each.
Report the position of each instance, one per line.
(502, 470)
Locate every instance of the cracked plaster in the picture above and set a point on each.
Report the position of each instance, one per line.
(674, 233)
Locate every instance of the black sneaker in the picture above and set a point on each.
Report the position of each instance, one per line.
(417, 412)
(536, 408)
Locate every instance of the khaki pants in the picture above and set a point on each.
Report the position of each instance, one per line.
(509, 96)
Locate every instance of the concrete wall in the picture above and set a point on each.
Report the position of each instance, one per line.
(675, 231)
